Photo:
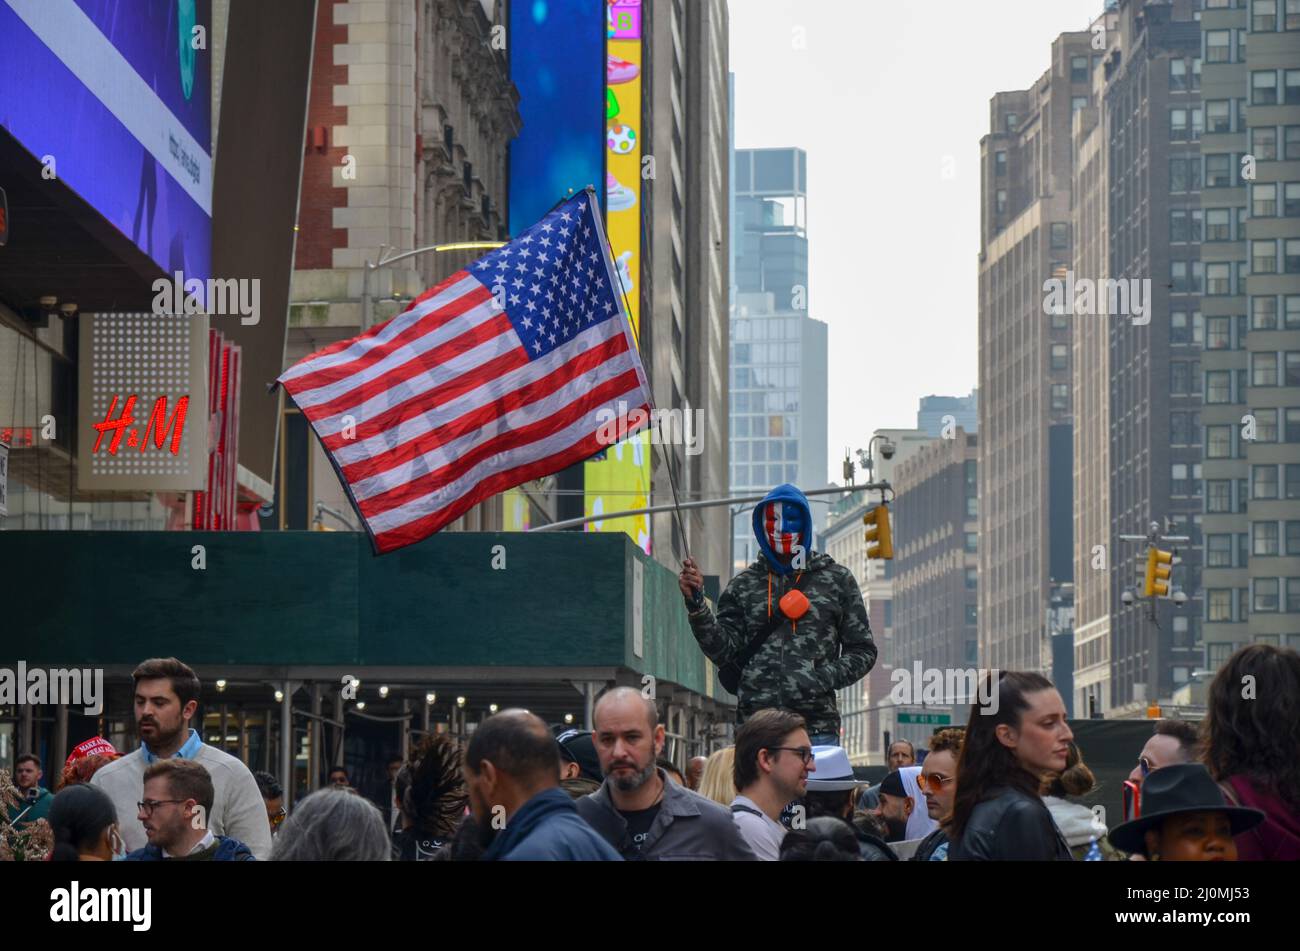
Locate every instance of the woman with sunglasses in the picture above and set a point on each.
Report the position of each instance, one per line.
(1014, 739)
(84, 822)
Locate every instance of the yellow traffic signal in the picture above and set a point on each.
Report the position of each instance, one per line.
(1158, 569)
(880, 542)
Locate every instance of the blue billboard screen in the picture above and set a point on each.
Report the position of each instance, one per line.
(114, 98)
(557, 62)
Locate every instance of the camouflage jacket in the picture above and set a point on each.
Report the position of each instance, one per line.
(801, 664)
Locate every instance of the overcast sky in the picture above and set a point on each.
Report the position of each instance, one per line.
(879, 95)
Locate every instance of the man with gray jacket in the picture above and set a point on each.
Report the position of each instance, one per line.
(166, 699)
(638, 810)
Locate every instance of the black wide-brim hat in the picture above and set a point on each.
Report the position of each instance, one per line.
(1175, 790)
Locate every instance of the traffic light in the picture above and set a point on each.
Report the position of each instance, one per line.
(880, 542)
(1158, 568)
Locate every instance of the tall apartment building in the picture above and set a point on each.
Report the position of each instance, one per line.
(1251, 260)
(778, 352)
(410, 115)
(936, 562)
(699, 194)
(1025, 440)
(940, 415)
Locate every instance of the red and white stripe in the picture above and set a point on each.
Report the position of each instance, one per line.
(441, 408)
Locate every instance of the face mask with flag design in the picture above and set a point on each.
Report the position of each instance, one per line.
(783, 525)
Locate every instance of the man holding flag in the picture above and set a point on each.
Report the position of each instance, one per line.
(501, 374)
(791, 628)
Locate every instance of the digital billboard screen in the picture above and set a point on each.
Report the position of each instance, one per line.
(557, 62)
(113, 98)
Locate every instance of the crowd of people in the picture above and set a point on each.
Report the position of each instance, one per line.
(1007, 786)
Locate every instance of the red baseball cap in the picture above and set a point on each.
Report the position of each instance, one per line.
(92, 746)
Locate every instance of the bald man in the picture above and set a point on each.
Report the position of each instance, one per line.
(695, 771)
(512, 771)
(638, 810)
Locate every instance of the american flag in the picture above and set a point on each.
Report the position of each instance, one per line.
(507, 371)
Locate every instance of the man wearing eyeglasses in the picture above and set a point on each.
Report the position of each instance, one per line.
(938, 782)
(178, 797)
(1174, 742)
(773, 759)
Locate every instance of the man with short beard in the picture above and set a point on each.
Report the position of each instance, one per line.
(640, 811)
(895, 806)
(938, 783)
(166, 700)
(512, 774)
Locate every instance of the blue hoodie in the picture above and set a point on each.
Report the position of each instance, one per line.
(547, 828)
(795, 517)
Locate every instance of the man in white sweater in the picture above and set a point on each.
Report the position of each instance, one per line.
(166, 699)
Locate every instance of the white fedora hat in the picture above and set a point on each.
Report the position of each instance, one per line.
(833, 772)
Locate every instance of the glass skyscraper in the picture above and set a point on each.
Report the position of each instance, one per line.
(778, 353)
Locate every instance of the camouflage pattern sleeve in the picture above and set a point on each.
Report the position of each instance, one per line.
(857, 649)
(724, 635)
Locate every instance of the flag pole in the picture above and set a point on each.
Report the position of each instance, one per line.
(678, 522)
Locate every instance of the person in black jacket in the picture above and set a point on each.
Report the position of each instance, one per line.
(1009, 747)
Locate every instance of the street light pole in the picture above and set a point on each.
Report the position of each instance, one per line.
(367, 304)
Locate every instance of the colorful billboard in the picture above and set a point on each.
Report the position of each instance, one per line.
(113, 98)
(621, 480)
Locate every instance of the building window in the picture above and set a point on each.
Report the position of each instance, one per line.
(1002, 201)
(1265, 425)
(1265, 600)
(1291, 142)
(1218, 442)
(1291, 86)
(1012, 121)
(1263, 143)
(1078, 69)
(972, 578)
(1180, 430)
(1218, 278)
(1000, 162)
(1291, 313)
(1291, 200)
(1060, 356)
(1263, 88)
(1263, 16)
(1218, 171)
(1292, 15)
(1177, 124)
(1263, 257)
(1060, 396)
(1218, 333)
(1218, 604)
(1265, 538)
(1218, 386)
(1060, 235)
(1293, 595)
(1218, 47)
(1293, 538)
(1263, 200)
(1178, 73)
(1263, 369)
(1218, 116)
(1291, 256)
(1218, 495)
(972, 541)
(1263, 313)
(1217, 225)
(1078, 102)
(1263, 482)
(1292, 484)
(1218, 551)
(1291, 371)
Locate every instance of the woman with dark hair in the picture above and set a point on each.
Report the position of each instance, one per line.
(431, 796)
(1083, 832)
(825, 839)
(1016, 736)
(84, 823)
(1251, 734)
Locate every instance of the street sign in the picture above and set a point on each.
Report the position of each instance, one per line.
(938, 719)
